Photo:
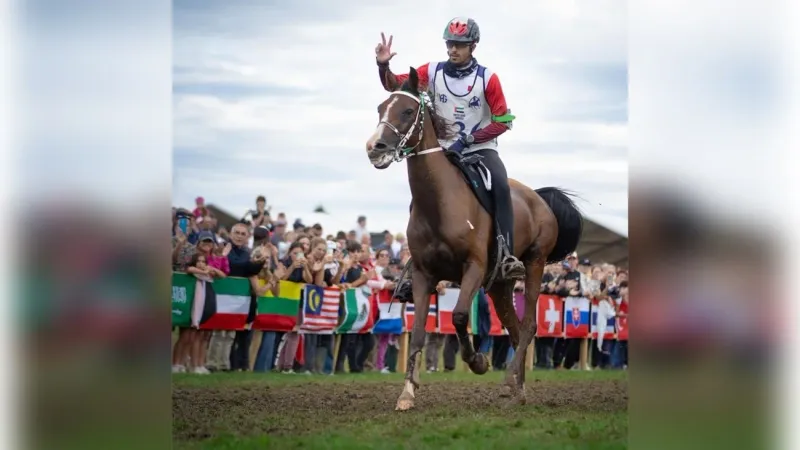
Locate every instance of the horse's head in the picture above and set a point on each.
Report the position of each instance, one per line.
(400, 126)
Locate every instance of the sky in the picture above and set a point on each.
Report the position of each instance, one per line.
(280, 100)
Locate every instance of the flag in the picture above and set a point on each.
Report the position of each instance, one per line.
(279, 313)
(182, 297)
(227, 301)
(389, 322)
(495, 325)
(430, 323)
(519, 305)
(549, 316)
(320, 309)
(444, 308)
(622, 328)
(576, 317)
(610, 326)
(356, 312)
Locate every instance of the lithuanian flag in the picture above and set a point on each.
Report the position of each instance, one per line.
(279, 313)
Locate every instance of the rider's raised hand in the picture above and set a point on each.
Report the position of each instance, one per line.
(383, 51)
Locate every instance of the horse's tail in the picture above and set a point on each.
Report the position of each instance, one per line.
(570, 221)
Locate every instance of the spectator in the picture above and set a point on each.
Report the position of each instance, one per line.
(360, 229)
(387, 244)
(200, 209)
(268, 280)
(279, 230)
(351, 345)
(298, 270)
(318, 259)
(242, 265)
(399, 240)
(619, 355)
(378, 283)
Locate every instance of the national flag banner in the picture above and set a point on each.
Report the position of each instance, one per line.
(610, 327)
(549, 316)
(519, 304)
(622, 328)
(390, 321)
(320, 309)
(445, 306)
(430, 322)
(356, 312)
(495, 325)
(182, 297)
(227, 302)
(576, 317)
(279, 313)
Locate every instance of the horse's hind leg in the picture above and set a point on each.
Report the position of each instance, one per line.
(421, 286)
(470, 283)
(533, 280)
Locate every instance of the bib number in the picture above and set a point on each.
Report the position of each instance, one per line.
(461, 128)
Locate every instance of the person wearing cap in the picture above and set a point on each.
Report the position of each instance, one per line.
(470, 96)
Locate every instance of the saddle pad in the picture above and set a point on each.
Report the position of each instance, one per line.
(472, 175)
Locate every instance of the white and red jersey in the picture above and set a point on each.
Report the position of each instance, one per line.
(469, 103)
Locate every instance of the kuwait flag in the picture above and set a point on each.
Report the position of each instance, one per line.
(320, 309)
(356, 312)
(389, 322)
(279, 313)
(576, 317)
(225, 304)
(430, 322)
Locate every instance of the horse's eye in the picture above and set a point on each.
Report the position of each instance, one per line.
(408, 112)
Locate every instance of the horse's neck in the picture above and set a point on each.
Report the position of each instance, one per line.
(429, 175)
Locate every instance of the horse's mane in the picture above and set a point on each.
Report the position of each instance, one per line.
(441, 127)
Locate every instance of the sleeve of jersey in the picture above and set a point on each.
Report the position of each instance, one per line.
(497, 103)
(422, 74)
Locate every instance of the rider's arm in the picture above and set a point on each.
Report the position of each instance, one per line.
(391, 81)
(496, 101)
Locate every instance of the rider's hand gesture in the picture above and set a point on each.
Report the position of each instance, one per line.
(383, 51)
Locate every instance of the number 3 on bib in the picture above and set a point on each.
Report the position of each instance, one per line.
(461, 127)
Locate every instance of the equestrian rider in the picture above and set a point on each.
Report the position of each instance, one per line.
(468, 95)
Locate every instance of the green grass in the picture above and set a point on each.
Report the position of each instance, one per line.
(458, 410)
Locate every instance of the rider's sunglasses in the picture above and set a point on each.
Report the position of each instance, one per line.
(458, 45)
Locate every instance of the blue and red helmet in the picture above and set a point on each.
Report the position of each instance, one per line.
(462, 29)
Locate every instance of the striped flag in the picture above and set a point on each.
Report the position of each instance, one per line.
(356, 312)
(227, 301)
(430, 323)
(279, 313)
(576, 317)
(445, 306)
(389, 322)
(610, 326)
(496, 326)
(320, 309)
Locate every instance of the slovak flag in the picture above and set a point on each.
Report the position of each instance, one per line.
(576, 317)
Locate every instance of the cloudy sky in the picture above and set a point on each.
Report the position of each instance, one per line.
(279, 100)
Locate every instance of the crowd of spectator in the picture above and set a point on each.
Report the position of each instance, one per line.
(265, 249)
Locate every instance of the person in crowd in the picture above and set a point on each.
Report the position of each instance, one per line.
(297, 270)
(318, 259)
(378, 283)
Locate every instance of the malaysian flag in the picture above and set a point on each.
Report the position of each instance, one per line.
(320, 309)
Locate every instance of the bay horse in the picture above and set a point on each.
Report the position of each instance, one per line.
(451, 235)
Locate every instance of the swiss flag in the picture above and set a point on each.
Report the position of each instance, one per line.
(549, 316)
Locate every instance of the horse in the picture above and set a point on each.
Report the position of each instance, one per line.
(450, 234)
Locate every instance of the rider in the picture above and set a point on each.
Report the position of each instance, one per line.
(470, 96)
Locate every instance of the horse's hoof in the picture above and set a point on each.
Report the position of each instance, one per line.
(404, 403)
(479, 364)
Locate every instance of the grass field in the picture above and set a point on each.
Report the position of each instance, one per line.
(457, 410)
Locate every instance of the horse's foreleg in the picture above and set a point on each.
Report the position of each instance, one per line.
(533, 280)
(501, 294)
(470, 283)
(421, 286)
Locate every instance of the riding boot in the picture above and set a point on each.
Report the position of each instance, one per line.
(511, 267)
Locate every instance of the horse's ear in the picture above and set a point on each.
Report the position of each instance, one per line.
(413, 80)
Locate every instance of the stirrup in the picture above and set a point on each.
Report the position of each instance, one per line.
(512, 268)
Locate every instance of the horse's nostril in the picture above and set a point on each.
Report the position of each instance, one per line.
(379, 145)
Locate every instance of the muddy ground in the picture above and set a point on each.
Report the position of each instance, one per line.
(203, 412)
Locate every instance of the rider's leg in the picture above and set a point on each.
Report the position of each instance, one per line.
(512, 267)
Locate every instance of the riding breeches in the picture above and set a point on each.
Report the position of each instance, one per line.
(504, 212)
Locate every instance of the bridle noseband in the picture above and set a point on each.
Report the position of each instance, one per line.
(401, 151)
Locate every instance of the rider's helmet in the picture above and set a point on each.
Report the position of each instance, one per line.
(462, 29)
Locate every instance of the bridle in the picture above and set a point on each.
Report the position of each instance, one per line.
(401, 151)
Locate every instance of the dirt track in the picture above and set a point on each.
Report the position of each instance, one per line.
(202, 412)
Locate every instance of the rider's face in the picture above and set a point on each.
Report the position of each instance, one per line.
(459, 52)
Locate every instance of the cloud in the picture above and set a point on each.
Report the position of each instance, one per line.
(280, 100)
